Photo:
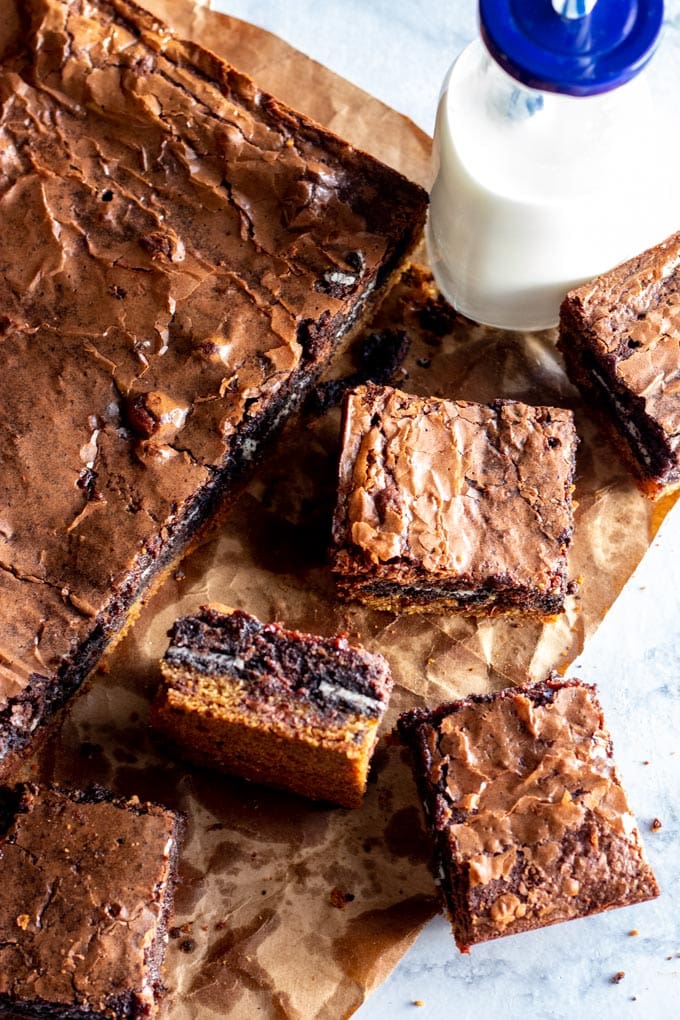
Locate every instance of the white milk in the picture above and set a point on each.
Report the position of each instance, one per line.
(536, 192)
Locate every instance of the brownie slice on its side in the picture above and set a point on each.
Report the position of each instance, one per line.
(529, 820)
(451, 506)
(620, 338)
(291, 710)
(181, 254)
(86, 889)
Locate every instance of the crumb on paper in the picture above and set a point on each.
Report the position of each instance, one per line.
(418, 1002)
(633, 931)
(619, 976)
(656, 824)
(339, 898)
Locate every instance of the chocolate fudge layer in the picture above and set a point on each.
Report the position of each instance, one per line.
(453, 506)
(180, 255)
(85, 899)
(620, 337)
(528, 817)
(275, 706)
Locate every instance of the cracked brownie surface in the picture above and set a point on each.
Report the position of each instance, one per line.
(84, 902)
(181, 253)
(530, 823)
(620, 338)
(448, 504)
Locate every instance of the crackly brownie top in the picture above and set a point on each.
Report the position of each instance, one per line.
(81, 896)
(175, 243)
(270, 662)
(631, 317)
(452, 487)
(525, 785)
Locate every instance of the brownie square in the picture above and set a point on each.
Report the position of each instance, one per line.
(295, 711)
(181, 254)
(453, 506)
(529, 821)
(620, 338)
(85, 898)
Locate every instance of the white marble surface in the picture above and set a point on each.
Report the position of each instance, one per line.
(399, 51)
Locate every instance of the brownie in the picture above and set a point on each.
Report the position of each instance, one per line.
(453, 506)
(529, 821)
(181, 254)
(291, 710)
(85, 899)
(620, 338)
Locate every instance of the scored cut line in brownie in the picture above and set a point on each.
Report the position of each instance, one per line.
(452, 505)
(182, 254)
(85, 902)
(296, 711)
(528, 817)
(620, 338)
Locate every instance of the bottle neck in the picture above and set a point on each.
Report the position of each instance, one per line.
(508, 98)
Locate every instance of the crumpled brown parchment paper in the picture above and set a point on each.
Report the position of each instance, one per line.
(287, 908)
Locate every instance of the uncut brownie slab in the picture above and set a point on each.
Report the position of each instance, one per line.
(86, 889)
(275, 706)
(620, 338)
(181, 253)
(529, 820)
(453, 506)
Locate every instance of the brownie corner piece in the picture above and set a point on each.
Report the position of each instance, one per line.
(453, 506)
(529, 820)
(295, 711)
(86, 896)
(620, 339)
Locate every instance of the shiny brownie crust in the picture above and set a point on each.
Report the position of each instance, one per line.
(451, 505)
(85, 905)
(620, 338)
(182, 254)
(529, 821)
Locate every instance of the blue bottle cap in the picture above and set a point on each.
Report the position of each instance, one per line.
(579, 56)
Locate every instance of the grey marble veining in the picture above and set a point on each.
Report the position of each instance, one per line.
(400, 51)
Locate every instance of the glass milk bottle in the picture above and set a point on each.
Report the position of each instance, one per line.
(551, 161)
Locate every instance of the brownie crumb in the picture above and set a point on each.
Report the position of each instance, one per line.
(656, 825)
(378, 357)
(619, 976)
(339, 898)
(90, 750)
(437, 317)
